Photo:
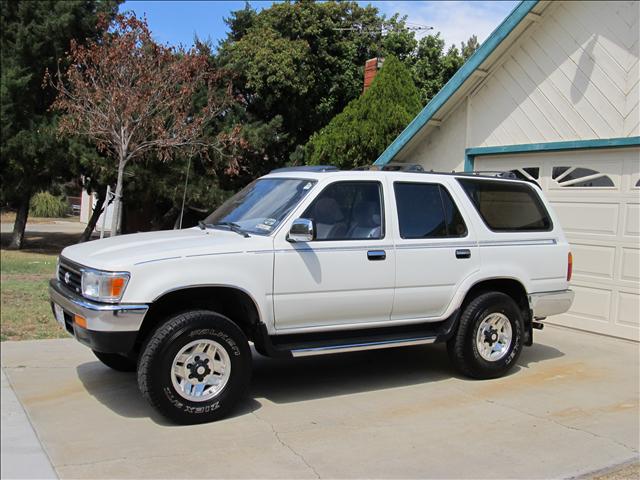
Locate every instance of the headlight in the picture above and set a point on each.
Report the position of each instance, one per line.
(104, 286)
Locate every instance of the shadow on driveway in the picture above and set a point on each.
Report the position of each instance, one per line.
(294, 380)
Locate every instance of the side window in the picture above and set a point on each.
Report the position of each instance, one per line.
(507, 206)
(426, 210)
(348, 211)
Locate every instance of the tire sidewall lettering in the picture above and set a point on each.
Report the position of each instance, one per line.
(217, 334)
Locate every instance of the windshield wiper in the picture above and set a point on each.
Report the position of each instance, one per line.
(204, 226)
(234, 227)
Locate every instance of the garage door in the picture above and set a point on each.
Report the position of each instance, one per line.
(596, 194)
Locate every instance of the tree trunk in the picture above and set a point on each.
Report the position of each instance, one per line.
(117, 200)
(95, 215)
(17, 238)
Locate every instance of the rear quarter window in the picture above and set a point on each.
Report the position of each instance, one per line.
(508, 206)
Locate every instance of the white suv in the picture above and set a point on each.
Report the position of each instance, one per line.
(313, 260)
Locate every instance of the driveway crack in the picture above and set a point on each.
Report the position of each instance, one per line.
(276, 434)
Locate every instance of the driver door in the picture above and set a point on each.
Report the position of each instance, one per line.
(346, 276)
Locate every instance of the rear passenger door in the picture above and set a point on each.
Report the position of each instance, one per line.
(435, 251)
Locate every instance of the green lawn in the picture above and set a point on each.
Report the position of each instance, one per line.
(25, 312)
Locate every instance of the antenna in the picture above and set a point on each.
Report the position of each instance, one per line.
(413, 27)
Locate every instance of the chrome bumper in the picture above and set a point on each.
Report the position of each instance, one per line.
(101, 317)
(545, 304)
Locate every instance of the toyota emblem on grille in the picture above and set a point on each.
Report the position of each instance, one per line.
(67, 277)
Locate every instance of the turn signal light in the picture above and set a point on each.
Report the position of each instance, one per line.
(569, 266)
(116, 286)
(80, 321)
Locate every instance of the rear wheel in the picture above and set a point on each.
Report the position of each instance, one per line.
(116, 361)
(195, 367)
(489, 339)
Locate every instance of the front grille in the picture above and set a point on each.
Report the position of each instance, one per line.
(70, 276)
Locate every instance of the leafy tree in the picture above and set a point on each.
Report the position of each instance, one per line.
(133, 97)
(432, 67)
(297, 65)
(359, 134)
(469, 47)
(33, 36)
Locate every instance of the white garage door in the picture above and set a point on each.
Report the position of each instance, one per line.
(596, 194)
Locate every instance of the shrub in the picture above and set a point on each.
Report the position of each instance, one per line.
(368, 124)
(43, 204)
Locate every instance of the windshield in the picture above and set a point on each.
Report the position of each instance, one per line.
(262, 205)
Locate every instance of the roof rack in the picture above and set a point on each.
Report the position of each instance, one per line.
(394, 167)
(489, 173)
(307, 168)
(403, 167)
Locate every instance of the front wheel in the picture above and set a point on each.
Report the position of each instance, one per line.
(489, 337)
(195, 367)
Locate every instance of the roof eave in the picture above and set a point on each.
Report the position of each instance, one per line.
(461, 76)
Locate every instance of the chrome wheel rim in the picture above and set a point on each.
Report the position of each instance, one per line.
(494, 336)
(200, 370)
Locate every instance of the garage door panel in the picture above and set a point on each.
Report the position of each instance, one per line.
(632, 220)
(588, 218)
(602, 224)
(628, 306)
(630, 270)
(593, 261)
(591, 303)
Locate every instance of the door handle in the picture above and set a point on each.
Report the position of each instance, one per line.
(463, 253)
(376, 255)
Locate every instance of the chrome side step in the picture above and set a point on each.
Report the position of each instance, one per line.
(323, 350)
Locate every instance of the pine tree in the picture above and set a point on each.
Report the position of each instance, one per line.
(34, 35)
(368, 124)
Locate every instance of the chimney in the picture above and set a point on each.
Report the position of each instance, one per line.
(371, 68)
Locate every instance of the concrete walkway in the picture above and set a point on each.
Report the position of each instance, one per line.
(21, 451)
(570, 407)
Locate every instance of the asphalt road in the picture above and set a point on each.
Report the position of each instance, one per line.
(570, 407)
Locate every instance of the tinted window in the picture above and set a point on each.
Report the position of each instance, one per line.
(427, 211)
(507, 206)
(347, 211)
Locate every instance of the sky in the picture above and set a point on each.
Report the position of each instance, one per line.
(176, 22)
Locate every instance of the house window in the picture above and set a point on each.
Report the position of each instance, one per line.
(527, 173)
(580, 177)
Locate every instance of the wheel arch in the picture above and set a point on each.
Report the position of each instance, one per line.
(508, 285)
(231, 301)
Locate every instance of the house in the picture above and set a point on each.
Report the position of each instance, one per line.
(552, 95)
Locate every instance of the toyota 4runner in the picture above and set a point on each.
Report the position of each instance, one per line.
(312, 261)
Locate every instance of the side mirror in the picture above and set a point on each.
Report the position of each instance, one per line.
(301, 231)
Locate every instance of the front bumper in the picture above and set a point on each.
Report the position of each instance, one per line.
(109, 328)
(545, 304)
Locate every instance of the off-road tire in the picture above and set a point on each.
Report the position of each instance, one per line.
(462, 348)
(155, 363)
(116, 361)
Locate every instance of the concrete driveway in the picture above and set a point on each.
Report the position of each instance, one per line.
(570, 407)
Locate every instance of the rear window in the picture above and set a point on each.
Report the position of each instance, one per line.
(507, 206)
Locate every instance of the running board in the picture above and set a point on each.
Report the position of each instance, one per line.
(353, 340)
(356, 347)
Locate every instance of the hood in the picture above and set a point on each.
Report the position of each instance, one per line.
(125, 251)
